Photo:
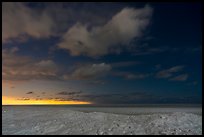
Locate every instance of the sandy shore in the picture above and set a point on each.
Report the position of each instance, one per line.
(60, 120)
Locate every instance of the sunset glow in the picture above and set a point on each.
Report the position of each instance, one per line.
(14, 101)
(76, 53)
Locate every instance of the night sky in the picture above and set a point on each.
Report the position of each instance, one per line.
(101, 53)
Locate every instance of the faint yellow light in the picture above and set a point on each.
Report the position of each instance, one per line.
(13, 101)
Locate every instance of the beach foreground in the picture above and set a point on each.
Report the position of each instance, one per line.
(61, 120)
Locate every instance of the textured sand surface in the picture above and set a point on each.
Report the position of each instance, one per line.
(50, 121)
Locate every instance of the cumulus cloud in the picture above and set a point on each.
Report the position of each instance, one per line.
(42, 20)
(19, 20)
(89, 71)
(84, 38)
(20, 68)
(182, 77)
(169, 72)
(16, 67)
(129, 23)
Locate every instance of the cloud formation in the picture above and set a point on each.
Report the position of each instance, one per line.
(69, 93)
(182, 77)
(169, 72)
(95, 38)
(18, 20)
(147, 50)
(16, 67)
(129, 23)
(30, 92)
(41, 20)
(20, 68)
(128, 75)
(23, 99)
(89, 71)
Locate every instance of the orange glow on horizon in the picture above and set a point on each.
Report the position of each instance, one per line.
(13, 101)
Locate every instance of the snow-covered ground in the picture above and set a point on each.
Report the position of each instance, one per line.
(61, 120)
